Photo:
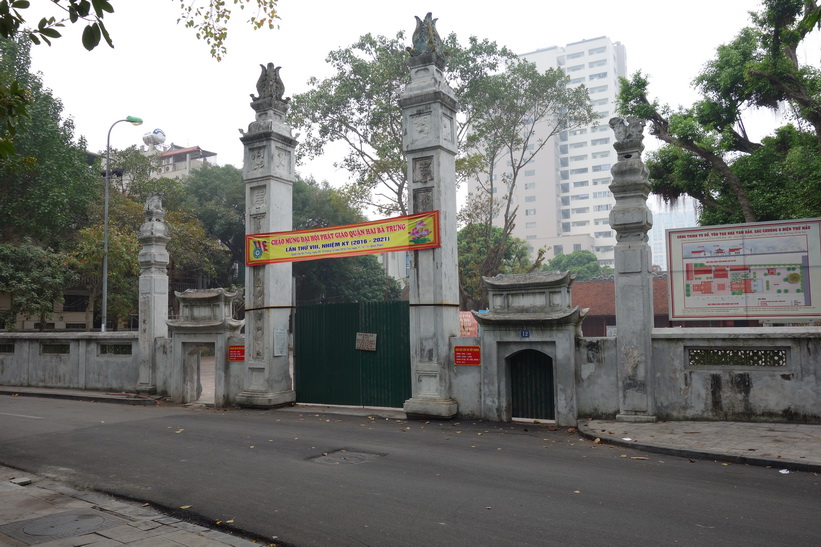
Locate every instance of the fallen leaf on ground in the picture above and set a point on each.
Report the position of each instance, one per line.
(577, 491)
(639, 458)
(597, 440)
(179, 431)
(185, 507)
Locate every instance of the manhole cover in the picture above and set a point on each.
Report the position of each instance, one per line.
(60, 525)
(346, 456)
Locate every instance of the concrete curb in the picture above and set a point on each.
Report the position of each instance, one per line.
(117, 398)
(700, 454)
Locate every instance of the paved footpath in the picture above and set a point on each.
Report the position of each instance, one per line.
(48, 513)
(794, 447)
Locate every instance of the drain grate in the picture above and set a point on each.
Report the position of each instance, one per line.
(346, 456)
(60, 525)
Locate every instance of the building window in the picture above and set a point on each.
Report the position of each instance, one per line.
(598, 89)
(530, 172)
(580, 184)
(603, 249)
(564, 175)
(580, 197)
(602, 167)
(577, 246)
(577, 223)
(530, 199)
(600, 102)
(75, 302)
(597, 50)
(564, 187)
(599, 128)
(558, 250)
(565, 200)
(608, 233)
(581, 131)
(565, 227)
(579, 171)
(604, 140)
(605, 207)
(530, 212)
(601, 221)
(603, 114)
(600, 62)
(575, 81)
(578, 144)
(581, 157)
(580, 210)
(602, 154)
(605, 194)
(530, 225)
(530, 185)
(605, 180)
(565, 214)
(574, 68)
(575, 55)
(597, 76)
(530, 237)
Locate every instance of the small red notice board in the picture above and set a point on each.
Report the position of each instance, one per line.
(236, 353)
(467, 355)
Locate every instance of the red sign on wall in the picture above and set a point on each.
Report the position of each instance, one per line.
(467, 355)
(236, 353)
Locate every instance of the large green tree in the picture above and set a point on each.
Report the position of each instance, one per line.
(358, 107)
(32, 295)
(473, 242)
(708, 153)
(583, 264)
(45, 187)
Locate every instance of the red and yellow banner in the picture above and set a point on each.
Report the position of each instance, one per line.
(411, 232)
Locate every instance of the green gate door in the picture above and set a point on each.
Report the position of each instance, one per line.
(328, 368)
(531, 385)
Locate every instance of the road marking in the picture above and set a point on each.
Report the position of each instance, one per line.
(21, 416)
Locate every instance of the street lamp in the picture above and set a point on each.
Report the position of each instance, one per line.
(133, 120)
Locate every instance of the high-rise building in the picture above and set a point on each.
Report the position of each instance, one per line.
(682, 215)
(563, 196)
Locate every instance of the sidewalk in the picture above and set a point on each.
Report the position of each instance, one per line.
(795, 447)
(50, 513)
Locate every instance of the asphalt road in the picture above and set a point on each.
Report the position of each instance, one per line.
(283, 474)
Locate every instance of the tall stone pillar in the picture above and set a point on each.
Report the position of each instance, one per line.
(632, 219)
(268, 172)
(153, 303)
(428, 115)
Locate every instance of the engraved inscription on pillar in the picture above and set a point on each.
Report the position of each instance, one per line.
(283, 161)
(447, 128)
(422, 200)
(423, 170)
(257, 158)
(256, 223)
(257, 200)
(420, 127)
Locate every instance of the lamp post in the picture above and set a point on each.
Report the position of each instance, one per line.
(133, 120)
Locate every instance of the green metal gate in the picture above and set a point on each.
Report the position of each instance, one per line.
(328, 368)
(531, 385)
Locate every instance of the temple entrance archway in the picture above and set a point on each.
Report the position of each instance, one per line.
(531, 385)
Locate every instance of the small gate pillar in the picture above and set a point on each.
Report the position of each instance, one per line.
(428, 116)
(632, 219)
(268, 171)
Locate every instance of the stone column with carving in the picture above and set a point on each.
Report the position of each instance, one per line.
(153, 299)
(632, 219)
(428, 116)
(268, 172)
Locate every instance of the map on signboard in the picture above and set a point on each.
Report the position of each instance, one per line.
(744, 271)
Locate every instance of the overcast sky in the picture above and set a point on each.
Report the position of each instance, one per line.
(159, 71)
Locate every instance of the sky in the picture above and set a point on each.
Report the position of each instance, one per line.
(160, 72)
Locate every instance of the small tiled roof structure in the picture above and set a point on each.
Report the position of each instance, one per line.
(600, 297)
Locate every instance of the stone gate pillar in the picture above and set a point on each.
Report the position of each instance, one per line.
(632, 219)
(153, 303)
(428, 116)
(268, 172)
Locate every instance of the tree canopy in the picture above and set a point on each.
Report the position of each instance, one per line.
(708, 153)
(583, 264)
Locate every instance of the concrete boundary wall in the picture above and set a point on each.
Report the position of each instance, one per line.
(88, 360)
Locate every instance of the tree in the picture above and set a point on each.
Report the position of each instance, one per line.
(517, 113)
(709, 155)
(335, 280)
(45, 187)
(472, 245)
(583, 264)
(358, 107)
(34, 278)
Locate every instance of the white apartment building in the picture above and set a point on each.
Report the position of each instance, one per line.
(683, 215)
(563, 196)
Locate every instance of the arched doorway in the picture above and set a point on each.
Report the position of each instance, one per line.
(198, 373)
(531, 385)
